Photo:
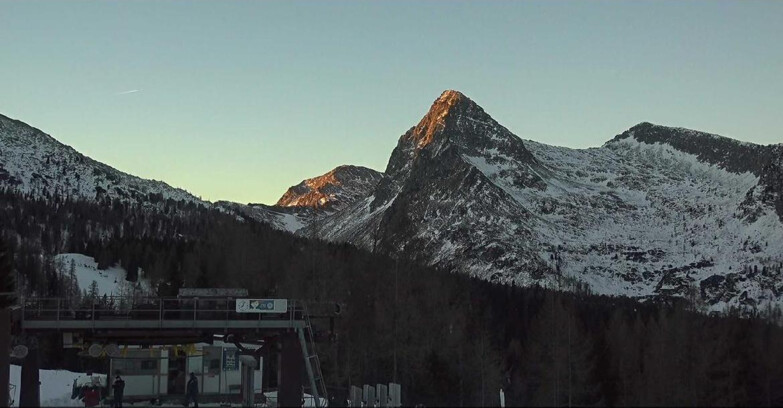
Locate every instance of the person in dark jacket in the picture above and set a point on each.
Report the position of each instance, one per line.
(119, 389)
(192, 391)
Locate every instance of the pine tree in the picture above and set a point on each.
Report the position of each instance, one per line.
(92, 292)
(559, 359)
(7, 281)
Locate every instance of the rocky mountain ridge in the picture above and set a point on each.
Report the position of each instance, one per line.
(35, 163)
(332, 191)
(655, 212)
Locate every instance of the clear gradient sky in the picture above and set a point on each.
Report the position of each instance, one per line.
(239, 100)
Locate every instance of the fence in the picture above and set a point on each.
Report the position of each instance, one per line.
(145, 308)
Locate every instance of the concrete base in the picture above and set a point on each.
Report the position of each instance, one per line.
(5, 346)
(291, 371)
(30, 387)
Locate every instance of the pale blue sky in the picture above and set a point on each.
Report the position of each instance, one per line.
(239, 100)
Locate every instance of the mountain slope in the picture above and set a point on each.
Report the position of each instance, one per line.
(35, 163)
(332, 191)
(312, 199)
(280, 218)
(657, 211)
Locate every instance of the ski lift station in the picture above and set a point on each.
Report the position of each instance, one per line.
(232, 344)
(153, 373)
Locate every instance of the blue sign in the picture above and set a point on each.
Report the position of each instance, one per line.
(261, 305)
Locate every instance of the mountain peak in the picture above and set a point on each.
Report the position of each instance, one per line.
(333, 190)
(449, 98)
(451, 94)
(447, 104)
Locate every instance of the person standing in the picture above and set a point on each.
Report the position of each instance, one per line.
(119, 390)
(91, 397)
(192, 391)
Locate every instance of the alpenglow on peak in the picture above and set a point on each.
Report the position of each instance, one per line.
(333, 190)
(449, 104)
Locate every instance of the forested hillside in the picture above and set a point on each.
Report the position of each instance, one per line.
(447, 338)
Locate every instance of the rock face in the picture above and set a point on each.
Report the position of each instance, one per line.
(657, 211)
(771, 180)
(723, 152)
(312, 199)
(732, 155)
(332, 191)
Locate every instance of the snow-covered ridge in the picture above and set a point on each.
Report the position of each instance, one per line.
(681, 132)
(34, 162)
(655, 212)
(730, 154)
(332, 191)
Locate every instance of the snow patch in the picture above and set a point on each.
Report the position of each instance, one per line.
(110, 282)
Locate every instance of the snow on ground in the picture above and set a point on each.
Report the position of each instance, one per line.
(290, 222)
(56, 386)
(111, 282)
(629, 218)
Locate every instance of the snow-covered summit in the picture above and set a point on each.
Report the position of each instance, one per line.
(332, 191)
(657, 211)
(730, 154)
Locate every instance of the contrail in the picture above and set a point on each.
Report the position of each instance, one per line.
(128, 92)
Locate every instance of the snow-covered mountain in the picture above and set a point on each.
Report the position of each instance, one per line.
(312, 199)
(35, 163)
(332, 191)
(657, 211)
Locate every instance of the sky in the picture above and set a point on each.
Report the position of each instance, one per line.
(238, 100)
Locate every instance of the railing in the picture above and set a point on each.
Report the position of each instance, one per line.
(146, 308)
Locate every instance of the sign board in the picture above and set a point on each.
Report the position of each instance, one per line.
(230, 360)
(262, 305)
(211, 292)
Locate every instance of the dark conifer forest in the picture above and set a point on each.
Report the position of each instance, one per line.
(450, 340)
